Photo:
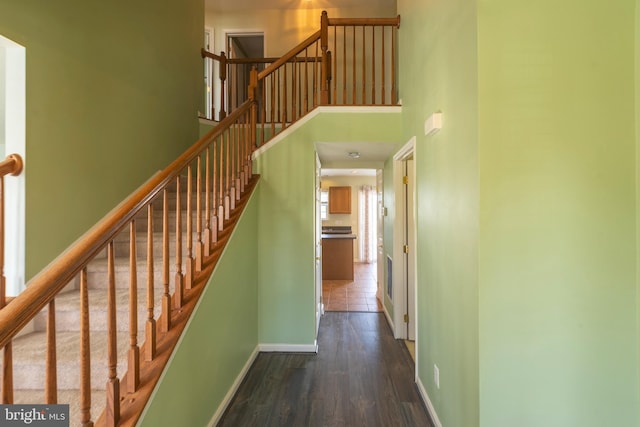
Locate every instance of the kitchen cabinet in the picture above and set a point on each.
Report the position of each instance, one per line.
(337, 257)
(340, 200)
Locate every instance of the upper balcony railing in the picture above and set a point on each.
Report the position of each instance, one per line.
(348, 61)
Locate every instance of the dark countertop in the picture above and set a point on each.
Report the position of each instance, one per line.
(339, 236)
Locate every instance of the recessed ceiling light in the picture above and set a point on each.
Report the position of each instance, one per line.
(354, 154)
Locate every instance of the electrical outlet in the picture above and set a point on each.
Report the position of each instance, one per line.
(436, 375)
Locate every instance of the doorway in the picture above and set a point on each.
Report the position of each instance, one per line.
(12, 141)
(249, 45)
(404, 247)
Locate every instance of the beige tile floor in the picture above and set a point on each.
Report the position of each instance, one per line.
(353, 295)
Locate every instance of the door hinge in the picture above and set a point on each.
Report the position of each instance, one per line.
(405, 248)
(406, 318)
(405, 180)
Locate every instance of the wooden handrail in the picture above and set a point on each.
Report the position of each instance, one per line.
(11, 165)
(365, 22)
(289, 55)
(46, 285)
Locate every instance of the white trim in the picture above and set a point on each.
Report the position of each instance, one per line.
(406, 150)
(289, 348)
(234, 388)
(323, 109)
(428, 404)
(13, 62)
(389, 320)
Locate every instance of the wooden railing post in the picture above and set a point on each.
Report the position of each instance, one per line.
(324, 46)
(223, 78)
(253, 86)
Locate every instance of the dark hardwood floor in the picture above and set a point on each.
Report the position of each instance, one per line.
(361, 376)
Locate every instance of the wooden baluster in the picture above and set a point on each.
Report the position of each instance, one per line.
(364, 69)
(51, 381)
(85, 353)
(232, 182)
(384, 65)
(113, 383)
(215, 220)
(315, 78)
(329, 75)
(373, 65)
(353, 52)
(344, 65)
(206, 237)
(263, 112)
(273, 105)
(324, 46)
(223, 78)
(237, 159)
(278, 115)
(285, 99)
(189, 262)
(178, 292)
(150, 325)
(7, 365)
(220, 176)
(133, 369)
(199, 243)
(227, 199)
(306, 80)
(165, 324)
(393, 66)
(335, 62)
(294, 92)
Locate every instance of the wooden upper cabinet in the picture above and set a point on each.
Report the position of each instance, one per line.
(339, 200)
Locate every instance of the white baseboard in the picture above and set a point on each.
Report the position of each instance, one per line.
(289, 348)
(389, 320)
(232, 391)
(427, 402)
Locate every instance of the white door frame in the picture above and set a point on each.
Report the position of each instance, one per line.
(400, 273)
(13, 110)
(319, 304)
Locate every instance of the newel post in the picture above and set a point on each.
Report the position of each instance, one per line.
(223, 77)
(253, 87)
(324, 45)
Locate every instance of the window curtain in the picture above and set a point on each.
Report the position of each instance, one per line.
(367, 223)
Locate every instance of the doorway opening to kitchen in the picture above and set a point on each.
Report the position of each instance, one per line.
(349, 213)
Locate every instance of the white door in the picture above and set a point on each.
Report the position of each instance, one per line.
(411, 255)
(318, 245)
(380, 235)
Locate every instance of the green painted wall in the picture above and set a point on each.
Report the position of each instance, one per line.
(637, 73)
(286, 221)
(113, 91)
(557, 214)
(208, 359)
(438, 72)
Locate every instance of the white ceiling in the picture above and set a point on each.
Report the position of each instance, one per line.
(335, 155)
(235, 5)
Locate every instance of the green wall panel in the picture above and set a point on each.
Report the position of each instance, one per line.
(113, 91)
(557, 214)
(438, 72)
(219, 339)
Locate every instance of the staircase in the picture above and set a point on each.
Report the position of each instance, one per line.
(83, 351)
(29, 350)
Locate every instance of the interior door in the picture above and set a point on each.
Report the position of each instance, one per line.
(318, 247)
(380, 235)
(411, 255)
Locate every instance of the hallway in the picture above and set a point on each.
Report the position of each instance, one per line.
(361, 376)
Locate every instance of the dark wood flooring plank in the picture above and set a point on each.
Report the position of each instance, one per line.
(361, 376)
